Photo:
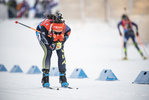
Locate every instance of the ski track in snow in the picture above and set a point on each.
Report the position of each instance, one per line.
(92, 46)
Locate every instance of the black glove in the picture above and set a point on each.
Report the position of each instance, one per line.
(52, 46)
(120, 34)
(137, 33)
(65, 38)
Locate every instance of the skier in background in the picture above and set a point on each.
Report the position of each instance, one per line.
(54, 33)
(129, 33)
(23, 9)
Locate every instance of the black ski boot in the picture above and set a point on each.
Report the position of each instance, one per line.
(143, 56)
(45, 79)
(125, 58)
(63, 79)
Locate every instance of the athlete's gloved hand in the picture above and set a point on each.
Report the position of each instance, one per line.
(137, 33)
(53, 46)
(61, 37)
(58, 37)
(65, 38)
(120, 34)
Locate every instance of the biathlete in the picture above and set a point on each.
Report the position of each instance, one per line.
(129, 33)
(54, 33)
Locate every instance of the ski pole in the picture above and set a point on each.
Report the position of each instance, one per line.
(26, 26)
(142, 45)
(122, 45)
(122, 42)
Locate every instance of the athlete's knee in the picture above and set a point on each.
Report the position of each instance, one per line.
(60, 52)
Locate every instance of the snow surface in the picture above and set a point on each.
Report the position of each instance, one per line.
(93, 46)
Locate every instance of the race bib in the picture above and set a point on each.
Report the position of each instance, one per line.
(58, 45)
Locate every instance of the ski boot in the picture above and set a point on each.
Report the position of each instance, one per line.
(63, 79)
(125, 58)
(45, 79)
(144, 57)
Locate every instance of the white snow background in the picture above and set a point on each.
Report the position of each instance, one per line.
(92, 45)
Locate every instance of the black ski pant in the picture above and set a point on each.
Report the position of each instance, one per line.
(130, 34)
(46, 63)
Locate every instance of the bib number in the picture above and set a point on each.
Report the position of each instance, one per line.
(58, 45)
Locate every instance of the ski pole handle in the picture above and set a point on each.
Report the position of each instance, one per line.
(27, 26)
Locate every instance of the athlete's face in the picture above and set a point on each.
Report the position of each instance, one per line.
(125, 18)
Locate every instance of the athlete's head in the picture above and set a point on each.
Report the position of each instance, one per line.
(59, 15)
(58, 24)
(125, 17)
(58, 28)
(50, 16)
